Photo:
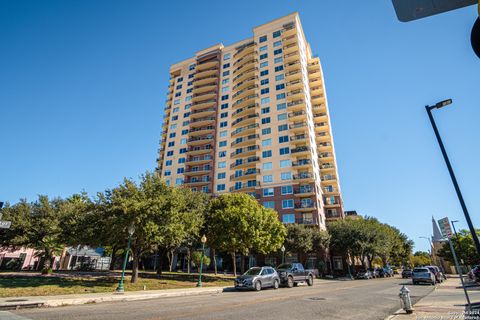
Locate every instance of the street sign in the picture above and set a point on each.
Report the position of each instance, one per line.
(5, 224)
(408, 10)
(445, 228)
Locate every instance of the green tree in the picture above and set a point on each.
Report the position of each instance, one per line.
(464, 248)
(305, 240)
(237, 223)
(197, 258)
(420, 259)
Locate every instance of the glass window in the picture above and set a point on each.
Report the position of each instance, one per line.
(265, 110)
(268, 192)
(191, 67)
(269, 204)
(280, 96)
(178, 94)
(184, 132)
(223, 134)
(263, 48)
(223, 124)
(279, 77)
(287, 204)
(263, 73)
(268, 178)
(281, 106)
(225, 81)
(223, 114)
(266, 120)
(168, 163)
(278, 68)
(183, 150)
(169, 153)
(262, 39)
(167, 173)
(267, 142)
(278, 51)
(280, 86)
(263, 82)
(284, 151)
(282, 116)
(278, 60)
(225, 97)
(267, 166)
(286, 176)
(183, 141)
(177, 101)
(264, 64)
(224, 106)
(225, 89)
(181, 160)
(288, 218)
(264, 90)
(220, 187)
(226, 56)
(226, 65)
(277, 34)
(287, 190)
(263, 56)
(283, 127)
(285, 163)
(265, 100)
(221, 175)
(222, 154)
(171, 143)
(178, 181)
(180, 170)
(267, 154)
(222, 164)
(226, 73)
(283, 139)
(277, 43)
(266, 130)
(222, 144)
(188, 98)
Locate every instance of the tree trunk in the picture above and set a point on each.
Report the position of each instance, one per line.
(160, 262)
(113, 260)
(234, 264)
(189, 257)
(170, 260)
(242, 263)
(135, 267)
(214, 261)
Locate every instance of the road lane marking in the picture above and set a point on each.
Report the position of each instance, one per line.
(5, 315)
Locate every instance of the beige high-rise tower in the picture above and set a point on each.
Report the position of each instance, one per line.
(253, 117)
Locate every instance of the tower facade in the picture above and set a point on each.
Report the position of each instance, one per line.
(253, 117)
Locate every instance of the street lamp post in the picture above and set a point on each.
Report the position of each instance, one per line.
(203, 240)
(454, 229)
(450, 170)
(131, 230)
(283, 254)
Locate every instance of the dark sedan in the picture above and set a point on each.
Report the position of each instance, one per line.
(406, 273)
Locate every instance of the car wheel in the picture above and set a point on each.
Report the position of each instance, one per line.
(290, 282)
(310, 281)
(275, 284)
(258, 286)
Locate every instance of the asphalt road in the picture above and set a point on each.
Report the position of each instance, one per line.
(359, 299)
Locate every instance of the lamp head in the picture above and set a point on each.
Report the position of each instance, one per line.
(282, 248)
(131, 229)
(443, 103)
(203, 239)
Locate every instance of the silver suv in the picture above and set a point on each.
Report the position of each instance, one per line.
(258, 278)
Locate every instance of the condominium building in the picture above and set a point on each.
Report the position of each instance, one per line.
(253, 117)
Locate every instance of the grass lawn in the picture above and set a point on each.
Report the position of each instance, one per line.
(18, 285)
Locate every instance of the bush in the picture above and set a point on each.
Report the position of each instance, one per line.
(197, 258)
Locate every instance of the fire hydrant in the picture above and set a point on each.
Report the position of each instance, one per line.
(405, 301)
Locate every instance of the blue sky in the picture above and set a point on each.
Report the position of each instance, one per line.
(83, 85)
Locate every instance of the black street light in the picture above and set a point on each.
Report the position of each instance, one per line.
(439, 105)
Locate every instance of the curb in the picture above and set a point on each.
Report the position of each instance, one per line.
(35, 302)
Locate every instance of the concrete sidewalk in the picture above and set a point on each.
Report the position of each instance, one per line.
(446, 302)
(13, 303)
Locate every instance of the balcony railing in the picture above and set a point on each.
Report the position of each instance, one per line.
(245, 186)
(301, 176)
(305, 221)
(299, 137)
(304, 190)
(244, 81)
(250, 106)
(244, 90)
(298, 125)
(245, 173)
(296, 114)
(302, 162)
(244, 161)
(202, 110)
(244, 150)
(240, 130)
(237, 121)
(252, 96)
(240, 140)
(325, 155)
(305, 205)
(299, 149)
(294, 103)
(209, 137)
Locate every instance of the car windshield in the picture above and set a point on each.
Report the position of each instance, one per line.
(252, 272)
(284, 266)
(420, 270)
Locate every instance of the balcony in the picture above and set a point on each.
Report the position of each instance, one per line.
(245, 58)
(247, 109)
(245, 101)
(328, 178)
(242, 163)
(244, 83)
(200, 122)
(294, 75)
(289, 40)
(324, 146)
(300, 151)
(295, 84)
(244, 50)
(206, 72)
(289, 32)
(197, 160)
(296, 105)
(192, 151)
(297, 115)
(299, 138)
(204, 96)
(207, 65)
(327, 167)
(201, 113)
(319, 98)
(195, 132)
(245, 151)
(296, 94)
(298, 126)
(302, 164)
(315, 81)
(247, 174)
(321, 126)
(320, 116)
(292, 56)
(330, 190)
(324, 156)
(304, 176)
(245, 140)
(304, 191)
(199, 140)
(292, 47)
(196, 182)
(211, 86)
(308, 221)
(245, 75)
(203, 104)
(293, 66)
(246, 63)
(246, 120)
(198, 171)
(245, 187)
(322, 136)
(305, 206)
(245, 92)
(245, 130)
(203, 80)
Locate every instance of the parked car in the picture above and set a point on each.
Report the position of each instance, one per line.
(423, 274)
(258, 278)
(474, 274)
(436, 272)
(364, 274)
(395, 270)
(387, 272)
(291, 274)
(406, 273)
(375, 273)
